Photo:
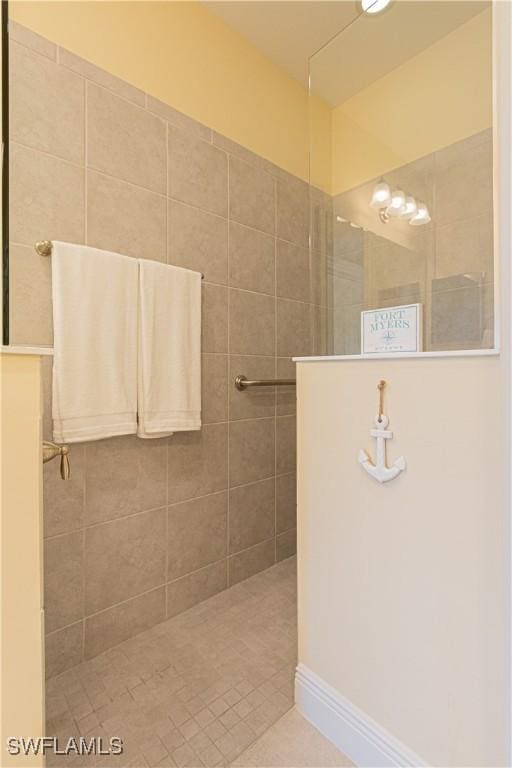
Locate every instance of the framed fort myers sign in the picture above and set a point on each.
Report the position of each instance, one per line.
(391, 329)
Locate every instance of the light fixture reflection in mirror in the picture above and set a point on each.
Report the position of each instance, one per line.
(398, 204)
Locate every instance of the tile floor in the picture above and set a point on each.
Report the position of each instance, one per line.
(292, 741)
(195, 690)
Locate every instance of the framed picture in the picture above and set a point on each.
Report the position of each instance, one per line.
(391, 329)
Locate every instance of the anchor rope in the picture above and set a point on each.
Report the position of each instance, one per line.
(380, 387)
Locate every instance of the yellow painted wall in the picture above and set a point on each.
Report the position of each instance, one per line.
(21, 633)
(440, 96)
(184, 55)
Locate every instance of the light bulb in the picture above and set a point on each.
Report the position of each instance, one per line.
(422, 216)
(410, 208)
(397, 204)
(381, 196)
(374, 6)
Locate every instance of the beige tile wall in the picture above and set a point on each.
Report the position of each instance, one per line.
(145, 529)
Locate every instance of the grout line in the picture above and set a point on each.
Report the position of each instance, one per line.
(115, 93)
(167, 239)
(116, 605)
(228, 298)
(43, 152)
(131, 184)
(160, 586)
(26, 45)
(276, 399)
(85, 159)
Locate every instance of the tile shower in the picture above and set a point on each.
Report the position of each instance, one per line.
(144, 530)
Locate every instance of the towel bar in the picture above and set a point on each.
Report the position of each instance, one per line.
(44, 248)
(242, 383)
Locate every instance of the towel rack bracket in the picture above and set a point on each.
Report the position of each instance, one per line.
(44, 247)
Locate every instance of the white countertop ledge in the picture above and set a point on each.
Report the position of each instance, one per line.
(19, 349)
(398, 356)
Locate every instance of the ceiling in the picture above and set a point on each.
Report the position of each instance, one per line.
(290, 32)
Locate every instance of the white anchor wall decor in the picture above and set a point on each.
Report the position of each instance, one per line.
(379, 470)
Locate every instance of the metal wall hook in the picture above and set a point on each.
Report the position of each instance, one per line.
(51, 451)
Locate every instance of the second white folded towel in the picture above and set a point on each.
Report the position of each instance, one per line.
(169, 369)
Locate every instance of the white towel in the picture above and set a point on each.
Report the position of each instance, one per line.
(169, 370)
(95, 343)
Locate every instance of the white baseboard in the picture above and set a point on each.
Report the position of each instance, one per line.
(351, 730)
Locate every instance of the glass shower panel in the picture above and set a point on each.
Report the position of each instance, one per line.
(401, 147)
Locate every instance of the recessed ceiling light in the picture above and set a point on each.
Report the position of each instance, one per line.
(374, 6)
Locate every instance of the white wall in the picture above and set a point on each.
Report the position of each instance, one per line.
(403, 587)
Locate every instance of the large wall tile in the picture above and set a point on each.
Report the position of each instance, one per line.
(52, 190)
(30, 297)
(64, 501)
(125, 141)
(464, 189)
(286, 502)
(198, 462)
(292, 272)
(286, 444)
(124, 218)
(101, 77)
(32, 40)
(244, 154)
(63, 649)
(178, 119)
(458, 317)
(251, 259)
(293, 211)
(46, 105)
(293, 328)
(197, 534)
(251, 561)
(251, 450)
(124, 558)
(251, 323)
(251, 514)
(198, 240)
(258, 401)
(196, 587)
(214, 318)
(286, 545)
(63, 580)
(251, 196)
(214, 388)
(465, 246)
(459, 151)
(198, 172)
(111, 627)
(124, 475)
